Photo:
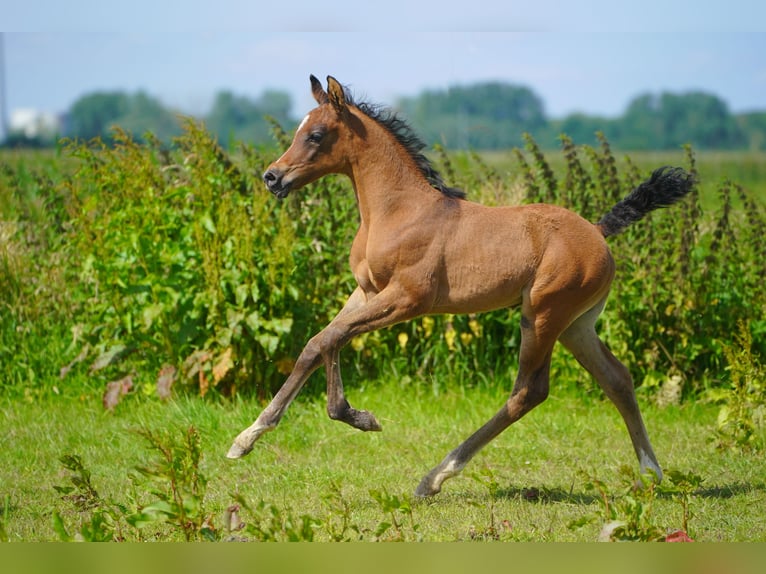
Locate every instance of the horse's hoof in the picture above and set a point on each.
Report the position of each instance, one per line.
(238, 451)
(426, 489)
(366, 421)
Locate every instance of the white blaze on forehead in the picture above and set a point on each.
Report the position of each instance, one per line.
(303, 123)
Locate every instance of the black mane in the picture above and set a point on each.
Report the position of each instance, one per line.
(413, 145)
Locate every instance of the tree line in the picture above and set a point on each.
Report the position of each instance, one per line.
(482, 116)
(495, 115)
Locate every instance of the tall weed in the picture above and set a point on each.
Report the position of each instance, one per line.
(183, 261)
(140, 259)
(741, 420)
(36, 283)
(684, 280)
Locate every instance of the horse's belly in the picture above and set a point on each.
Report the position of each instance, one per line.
(475, 290)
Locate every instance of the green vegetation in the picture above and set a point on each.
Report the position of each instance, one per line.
(153, 265)
(154, 471)
(152, 295)
(94, 115)
(494, 115)
(136, 260)
(481, 116)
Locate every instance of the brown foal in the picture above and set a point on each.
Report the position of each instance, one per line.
(421, 248)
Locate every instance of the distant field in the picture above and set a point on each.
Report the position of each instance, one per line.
(743, 167)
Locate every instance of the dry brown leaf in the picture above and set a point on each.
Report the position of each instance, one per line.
(115, 390)
(193, 363)
(223, 366)
(165, 380)
(204, 384)
(78, 359)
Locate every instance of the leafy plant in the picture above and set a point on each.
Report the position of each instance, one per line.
(177, 496)
(179, 487)
(337, 523)
(487, 478)
(630, 515)
(682, 486)
(742, 416)
(681, 283)
(101, 521)
(269, 523)
(399, 522)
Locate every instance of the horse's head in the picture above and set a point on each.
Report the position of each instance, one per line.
(320, 143)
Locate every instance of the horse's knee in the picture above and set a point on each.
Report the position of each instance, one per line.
(311, 355)
(534, 387)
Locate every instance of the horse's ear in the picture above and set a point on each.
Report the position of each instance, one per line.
(319, 94)
(336, 94)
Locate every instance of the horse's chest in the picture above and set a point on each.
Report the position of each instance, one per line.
(371, 265)
(402, 253)
(370, 274)
(359, 264)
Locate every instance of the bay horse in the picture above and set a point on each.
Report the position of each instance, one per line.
(422, 248)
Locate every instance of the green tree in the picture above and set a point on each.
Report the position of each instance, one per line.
(146, 113)
(753, 126)
(235, 117)
(582, 128)
(488, 115)
(95, 115)
(667, 121)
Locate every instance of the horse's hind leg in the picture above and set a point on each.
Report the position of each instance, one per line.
(614, 378)
(529, 390)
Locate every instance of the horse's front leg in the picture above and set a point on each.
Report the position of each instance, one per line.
(308, 361)
(338, 407)
(359, 315)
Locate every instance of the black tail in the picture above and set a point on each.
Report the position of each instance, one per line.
(665, 187)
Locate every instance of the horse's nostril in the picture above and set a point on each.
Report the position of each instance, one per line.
(273, 178)
(269, 177)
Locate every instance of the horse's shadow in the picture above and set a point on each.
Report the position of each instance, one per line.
(729, 490)
(545, 495)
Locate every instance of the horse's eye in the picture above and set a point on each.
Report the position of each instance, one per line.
(315, 137)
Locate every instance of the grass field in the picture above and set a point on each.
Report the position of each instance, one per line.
(528, 485)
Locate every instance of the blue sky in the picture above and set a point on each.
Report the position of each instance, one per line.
(578, 56)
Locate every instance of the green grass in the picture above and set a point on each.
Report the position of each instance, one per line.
(527, 485)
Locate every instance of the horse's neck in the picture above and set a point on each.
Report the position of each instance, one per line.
(387, 183)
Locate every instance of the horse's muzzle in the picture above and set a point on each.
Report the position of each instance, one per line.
(273, 178)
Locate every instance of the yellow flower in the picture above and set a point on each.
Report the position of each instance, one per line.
(466, 338)
(403, 338)
(428, 325)
(449, 335)
(357, 343)
(475, 327)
